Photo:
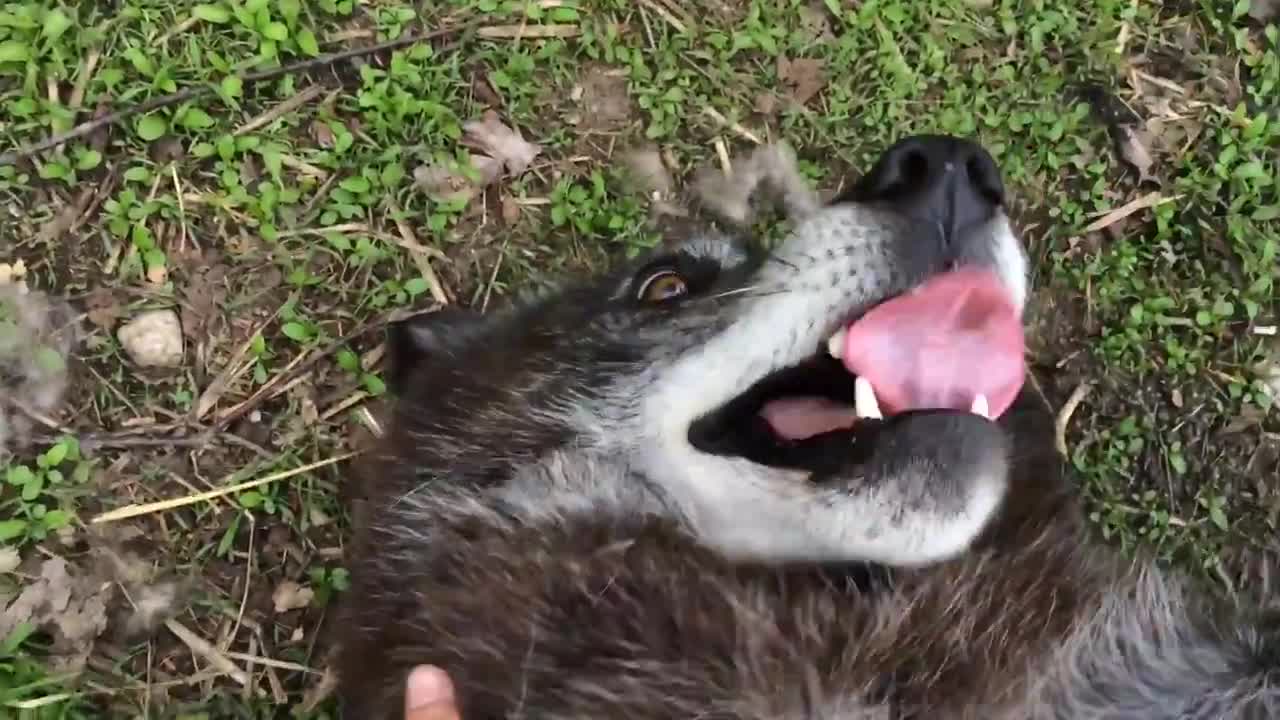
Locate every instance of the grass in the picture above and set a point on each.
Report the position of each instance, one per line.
(284, 219)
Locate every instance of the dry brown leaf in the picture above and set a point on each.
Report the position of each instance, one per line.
(1250, 416)
(649, 172)
(322, 133)
(1134, 148)
(510, 210)
(152, 606)
(9, 559)
(72, 610)
(815, 24)
(102, 308)
(484, 89)
(1264, 10)
(803, 78)
(13, 273)
(449, 181)
(205, 293)
(766, 103)
(604, 99)
(157, 274)
(321, 691)
(490, 136)
(289, 595)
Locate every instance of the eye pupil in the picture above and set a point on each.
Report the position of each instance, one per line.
(663, 286)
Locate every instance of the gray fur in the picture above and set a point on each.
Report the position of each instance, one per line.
(538, 523)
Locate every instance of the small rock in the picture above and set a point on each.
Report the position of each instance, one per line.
(289, 595)
(9, 560)
(153, 339)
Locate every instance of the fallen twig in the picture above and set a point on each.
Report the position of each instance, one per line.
(269, 389)
(194, 93)
(735, 127)
(284, 108)
(1111, 218)
(1064, 417)
(201, 647)
(135, 510)
(528, 31)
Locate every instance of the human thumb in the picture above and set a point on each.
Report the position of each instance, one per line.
(429, 695)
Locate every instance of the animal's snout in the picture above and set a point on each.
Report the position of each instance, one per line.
(942, 181)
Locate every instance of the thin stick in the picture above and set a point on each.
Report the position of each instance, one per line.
(735, 127)
(418, 252)
(194, 93)
(1064, 416)
(284, 108)
(201, 647)
(1149, 200)
(135, 510)
(528, 31)
(270, 388)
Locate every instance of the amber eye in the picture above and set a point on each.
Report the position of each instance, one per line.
(662, 286)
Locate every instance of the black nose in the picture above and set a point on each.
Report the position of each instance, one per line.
(946, 182)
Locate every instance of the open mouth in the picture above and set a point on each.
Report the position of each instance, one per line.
(953, 343)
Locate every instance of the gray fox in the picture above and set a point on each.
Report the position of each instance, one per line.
(725, 481)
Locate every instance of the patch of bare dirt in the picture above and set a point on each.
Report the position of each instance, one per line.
(603, 101)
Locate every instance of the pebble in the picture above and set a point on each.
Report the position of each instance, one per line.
(153, 339)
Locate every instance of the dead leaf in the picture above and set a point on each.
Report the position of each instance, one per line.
(1149, 200)
(815, 24)
(449, 181)
(322, 133)
(157, 274)
(99, 137)
(205, 294)
(604, 99)
(102, 308)
(73, 610)
(9, 559)
(490, 136)
(766, 103)
(167, 149)
(13, 274)
(1134, 149)
(1264, 10)
(152, 606)
(321, 691)
(289, 595)
(649, 172)
(803, 78)
(510, 210)
(484, 89)
(1250, 417)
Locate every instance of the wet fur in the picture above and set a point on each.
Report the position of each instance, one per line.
(508, 536)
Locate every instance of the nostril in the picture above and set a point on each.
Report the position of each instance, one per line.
(906, 172)
(915, 168)
(985, 178)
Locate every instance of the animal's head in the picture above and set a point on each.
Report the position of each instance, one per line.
(707, 372)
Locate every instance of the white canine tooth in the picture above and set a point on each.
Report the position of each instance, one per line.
(980, 407)
(835, 344)
(864, 400)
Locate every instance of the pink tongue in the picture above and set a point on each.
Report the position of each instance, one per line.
(955, 337)
(797, 418)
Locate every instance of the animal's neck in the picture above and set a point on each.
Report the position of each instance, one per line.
(566, 483)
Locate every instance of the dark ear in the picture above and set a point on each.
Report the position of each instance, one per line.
(446, 331)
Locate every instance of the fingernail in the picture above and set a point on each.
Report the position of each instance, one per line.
(427, 684)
